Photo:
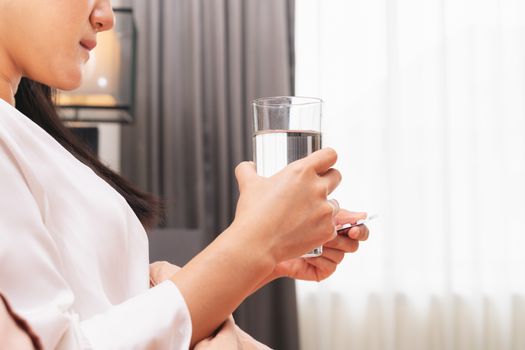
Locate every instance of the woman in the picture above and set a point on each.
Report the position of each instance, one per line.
(73, 246)
(14, 331)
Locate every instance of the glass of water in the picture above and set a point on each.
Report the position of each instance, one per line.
(286, 128)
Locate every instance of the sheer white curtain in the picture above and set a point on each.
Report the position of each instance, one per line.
(425, 103)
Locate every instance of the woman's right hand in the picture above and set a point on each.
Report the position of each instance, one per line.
(288, 213)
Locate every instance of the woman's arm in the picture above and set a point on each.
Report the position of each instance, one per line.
(228, 336)
(277, 218)
(218, 279)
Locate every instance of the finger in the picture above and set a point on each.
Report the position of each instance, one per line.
(322, 160)
(227, 330)
(359, 233)
(343, 243)
(164, 265)
(335, 208)
(203, 344)
(325, 265)
(344, 217)
(245, 172)
(334, 255)
(332, 179)
(229, 324)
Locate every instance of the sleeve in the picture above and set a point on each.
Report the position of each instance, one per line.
(31, 278)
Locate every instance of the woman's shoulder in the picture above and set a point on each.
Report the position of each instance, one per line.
(19, 158)
(12, 135)
(8, 113)
(19, 140)
(15, 125)
(27, 141)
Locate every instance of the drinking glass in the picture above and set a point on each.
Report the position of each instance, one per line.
(286, 128)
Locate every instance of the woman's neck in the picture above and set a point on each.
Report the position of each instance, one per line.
(10, 77)
(6, 90)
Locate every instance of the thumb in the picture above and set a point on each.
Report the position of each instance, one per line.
(345, 216)
(245, 172)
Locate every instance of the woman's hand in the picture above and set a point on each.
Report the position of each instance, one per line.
(288, 214)
(230, 337)
(161, 271)
(277, 218)
(319, 268)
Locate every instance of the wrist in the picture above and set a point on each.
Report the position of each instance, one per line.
(243, 240)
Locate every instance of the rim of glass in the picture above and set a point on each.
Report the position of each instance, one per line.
(276, 101)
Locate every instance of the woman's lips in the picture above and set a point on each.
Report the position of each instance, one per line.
(88, 44)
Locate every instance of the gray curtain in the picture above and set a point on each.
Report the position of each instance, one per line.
(200, 63)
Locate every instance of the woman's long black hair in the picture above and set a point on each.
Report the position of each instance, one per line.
(35, 100)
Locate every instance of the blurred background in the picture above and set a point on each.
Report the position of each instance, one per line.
(425, 104)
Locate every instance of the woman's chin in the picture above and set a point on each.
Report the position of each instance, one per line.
(68, 85)
(68, 81)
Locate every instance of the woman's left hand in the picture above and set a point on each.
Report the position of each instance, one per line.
(308, 269)
(161, 271)
(319, 268)
(230, 337)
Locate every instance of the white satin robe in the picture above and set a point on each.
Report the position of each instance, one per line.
(73, 255)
